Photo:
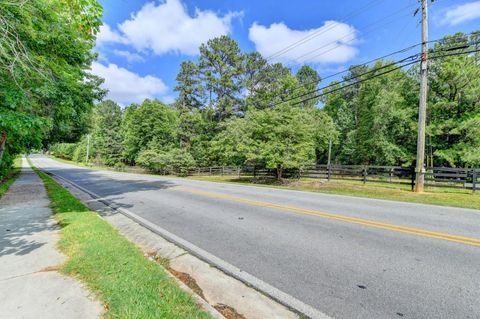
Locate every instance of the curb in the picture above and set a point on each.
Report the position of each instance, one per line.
(279, 296)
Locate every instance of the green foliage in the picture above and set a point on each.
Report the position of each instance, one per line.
(127, 283)
(152, 125)
(454, 107)
(376, 119)
(80, 153)
(46, 91)
(107, 134)
(177, 161)
(279, 138)
(64, 150)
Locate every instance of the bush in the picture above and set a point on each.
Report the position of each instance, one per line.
(176, 161)
(63, 150)
(150, 160)
(179, 161)
(80, 153)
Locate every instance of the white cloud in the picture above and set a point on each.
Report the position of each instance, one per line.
(129, 56)
(461, 13)
(167, 27)
(335, 39)
(106, 35)
(125, 86)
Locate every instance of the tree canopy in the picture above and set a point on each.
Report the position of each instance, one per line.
(46, 90)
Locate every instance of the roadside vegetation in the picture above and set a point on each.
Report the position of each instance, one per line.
(389, 191)
(128, 284)
(235, 108)
(10, 176)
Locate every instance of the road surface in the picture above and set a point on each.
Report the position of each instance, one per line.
(345, 256)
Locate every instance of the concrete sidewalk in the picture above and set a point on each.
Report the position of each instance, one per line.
(30, 286)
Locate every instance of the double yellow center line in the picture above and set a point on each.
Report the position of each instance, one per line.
(353, 220)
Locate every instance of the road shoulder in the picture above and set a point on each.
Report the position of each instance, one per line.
(31, 286)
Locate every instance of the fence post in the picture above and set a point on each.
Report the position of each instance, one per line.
(329, 174)
(364, 173)
(223, 170)
(238, 171)
(198, 171)
(413, 175)
(474, 180)
(254, 171)
(210, 172)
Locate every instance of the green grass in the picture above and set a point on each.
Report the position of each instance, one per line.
(433, 195)
(8, 180)
(442, 196)
(129, 285)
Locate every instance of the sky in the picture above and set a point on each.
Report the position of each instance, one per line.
(142, 43)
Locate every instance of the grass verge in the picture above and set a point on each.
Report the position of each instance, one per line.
(129, 285)
(390, 191)
(8, 180)
(434, 196)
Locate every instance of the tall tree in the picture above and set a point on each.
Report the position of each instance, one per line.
(454, 104)
(45, 84)
(107, 132)
(189, 87)
(152, 126)
(220, 65)
(308, 80)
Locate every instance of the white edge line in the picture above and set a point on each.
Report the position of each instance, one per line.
(250, 280)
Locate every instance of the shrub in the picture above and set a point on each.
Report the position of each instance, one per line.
(176, 161)
(63, 150)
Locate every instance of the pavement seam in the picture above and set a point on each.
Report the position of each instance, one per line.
(232, 271)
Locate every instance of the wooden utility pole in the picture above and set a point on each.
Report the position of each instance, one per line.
(88, 148)
(422, 111)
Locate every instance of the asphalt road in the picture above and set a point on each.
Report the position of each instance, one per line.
(345, 256)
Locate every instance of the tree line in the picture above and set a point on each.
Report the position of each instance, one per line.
(46, 90)
(235, 108)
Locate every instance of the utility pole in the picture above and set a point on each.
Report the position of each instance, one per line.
(88, 148)
(329, 168)
(422, 111)
(329, 151)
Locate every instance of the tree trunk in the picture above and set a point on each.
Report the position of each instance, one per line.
(3, 139)
(279, 172)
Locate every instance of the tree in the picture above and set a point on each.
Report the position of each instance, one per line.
(453, 105)
(308, 80)
(45, 87)
(189, 87)
(375, 118)
(278, 138)
(220, 66)
(107, 132)
(152, 125)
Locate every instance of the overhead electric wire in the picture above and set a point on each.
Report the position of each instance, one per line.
(319, 31)
(369, 27)
(365, 73)
(377, 75)
(380, 58)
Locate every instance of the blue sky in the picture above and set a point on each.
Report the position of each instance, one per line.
(142, 43)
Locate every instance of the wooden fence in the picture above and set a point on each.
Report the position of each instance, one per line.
(466, 178)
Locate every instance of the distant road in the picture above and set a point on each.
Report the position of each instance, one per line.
(345, 256)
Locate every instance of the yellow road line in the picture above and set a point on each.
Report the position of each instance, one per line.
(354, 220)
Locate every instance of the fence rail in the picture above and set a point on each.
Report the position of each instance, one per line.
(466, 178)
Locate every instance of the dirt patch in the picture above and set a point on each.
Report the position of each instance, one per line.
(228, 312)
(152, 255)
(189, 281)
(50, 268)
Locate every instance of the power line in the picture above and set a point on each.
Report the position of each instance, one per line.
(368, 27)
(320, 31)
(376, 75)
(386, 56)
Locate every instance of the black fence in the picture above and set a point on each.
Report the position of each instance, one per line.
(464, 178)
